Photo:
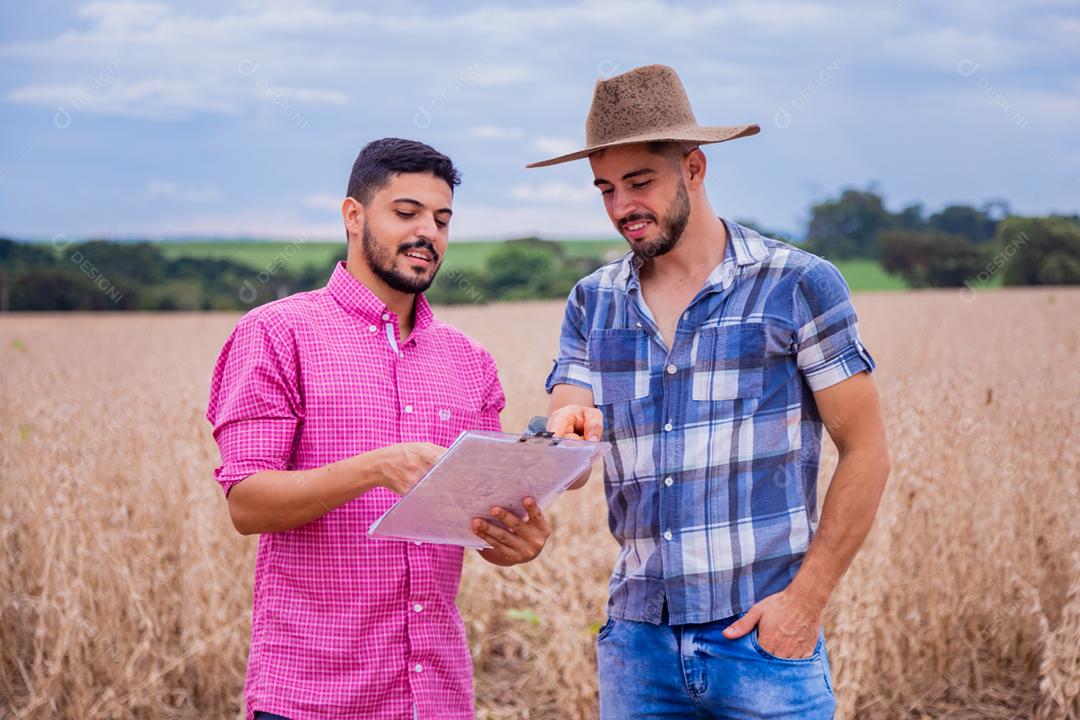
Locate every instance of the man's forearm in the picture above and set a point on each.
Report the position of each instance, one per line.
(278, 500)
(846, 517)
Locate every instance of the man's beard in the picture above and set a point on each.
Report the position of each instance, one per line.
(382, 263)
(671, 228)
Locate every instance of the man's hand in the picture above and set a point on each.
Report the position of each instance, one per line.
(402, 465)
(788, 625)
(577, 421)
(520, 541)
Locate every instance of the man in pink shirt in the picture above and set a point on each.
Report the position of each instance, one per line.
(326, 406)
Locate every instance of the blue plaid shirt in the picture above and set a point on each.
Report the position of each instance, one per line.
(712, 482)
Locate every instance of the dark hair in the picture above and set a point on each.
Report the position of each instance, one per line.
(380, 159)
(672, 150)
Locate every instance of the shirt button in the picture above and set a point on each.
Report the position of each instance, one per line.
(668, 481)
(372, 328)
(419, 668)
(385, 316)
(667, 534)
(417, 542)
(408, 408)
(418, 607)
(668, 427)
(671, 369)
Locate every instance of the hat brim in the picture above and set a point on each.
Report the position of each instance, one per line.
(692, 133)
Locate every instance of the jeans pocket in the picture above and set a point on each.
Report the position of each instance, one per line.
(815, 656)
(605, 629)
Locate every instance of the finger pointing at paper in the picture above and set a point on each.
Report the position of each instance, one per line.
(577, 420)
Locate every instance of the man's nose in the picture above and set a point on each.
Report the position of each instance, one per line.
(622, 206)
(427, 229)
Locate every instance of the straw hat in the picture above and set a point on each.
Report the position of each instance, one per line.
(644, 105)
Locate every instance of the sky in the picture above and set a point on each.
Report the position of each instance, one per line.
(226, 119)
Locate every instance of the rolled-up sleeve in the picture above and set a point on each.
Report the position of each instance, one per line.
(255, 406)
(494, 398)
(828, 346)
(571, 366)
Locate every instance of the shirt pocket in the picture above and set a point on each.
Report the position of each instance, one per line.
(728, 362)
(619, 364)
(445, 421)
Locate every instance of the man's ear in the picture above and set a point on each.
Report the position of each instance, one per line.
(694, 168)
(352, 213)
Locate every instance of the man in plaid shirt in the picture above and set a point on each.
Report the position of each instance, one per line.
(712, 358)
(327, 406)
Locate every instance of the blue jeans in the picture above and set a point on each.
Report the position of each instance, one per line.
(693, 671)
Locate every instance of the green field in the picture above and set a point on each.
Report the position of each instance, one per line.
(869, 275)
(860, 274)
(260, 254)
(256, 253)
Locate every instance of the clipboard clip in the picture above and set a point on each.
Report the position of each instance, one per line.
(536, 432)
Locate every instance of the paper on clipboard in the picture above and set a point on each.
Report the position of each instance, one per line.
(481, 470)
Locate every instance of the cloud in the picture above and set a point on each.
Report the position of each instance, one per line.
(554, 192)
(502, 75)
(943, 47)
(498, 222)
(323, 201)
(154, 98)
(275, 223)
(161, 189)
(494, 132)
(556, 145)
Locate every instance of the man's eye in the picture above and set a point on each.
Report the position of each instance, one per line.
(607, 191)
(441, 223)
(404, 214)
(638, 186)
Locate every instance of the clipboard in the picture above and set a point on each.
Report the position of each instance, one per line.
(483, 469)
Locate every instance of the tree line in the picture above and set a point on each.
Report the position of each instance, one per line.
(106, 275)
(960, 245)
(956, 246)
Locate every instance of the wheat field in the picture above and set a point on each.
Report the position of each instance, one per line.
(125, 592)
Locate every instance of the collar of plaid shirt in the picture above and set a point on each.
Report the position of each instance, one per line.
(740, 250)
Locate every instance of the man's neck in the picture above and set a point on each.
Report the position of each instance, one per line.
(700, 249)
(400, 303)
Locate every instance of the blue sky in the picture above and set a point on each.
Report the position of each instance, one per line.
(126, 119)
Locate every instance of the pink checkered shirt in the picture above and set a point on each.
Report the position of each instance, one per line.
(346, 626)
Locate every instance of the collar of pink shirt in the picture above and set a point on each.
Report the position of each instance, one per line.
(355, 298)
